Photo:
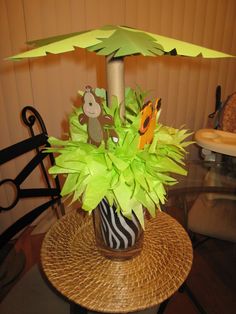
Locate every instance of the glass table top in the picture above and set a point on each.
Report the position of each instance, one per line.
(204, 201)
(204, 176)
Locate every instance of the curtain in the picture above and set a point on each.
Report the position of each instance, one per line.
(186, 85)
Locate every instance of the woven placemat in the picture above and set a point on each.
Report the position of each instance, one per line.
(75, 267)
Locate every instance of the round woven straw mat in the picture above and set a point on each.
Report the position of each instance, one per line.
(76, 268)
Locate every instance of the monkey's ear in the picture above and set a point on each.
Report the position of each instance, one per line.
(91, 92)
(88, 89)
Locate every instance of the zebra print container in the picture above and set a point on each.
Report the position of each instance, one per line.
(117, 236)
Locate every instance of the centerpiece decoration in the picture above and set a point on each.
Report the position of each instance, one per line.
(118, 158)
(117, 168)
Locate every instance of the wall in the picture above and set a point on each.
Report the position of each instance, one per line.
(187, 86)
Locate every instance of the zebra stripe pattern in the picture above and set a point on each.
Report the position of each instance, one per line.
(118, 232)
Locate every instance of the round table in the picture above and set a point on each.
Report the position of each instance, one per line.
(75, 267)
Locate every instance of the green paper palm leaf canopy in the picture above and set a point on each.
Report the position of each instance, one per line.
(117, 40)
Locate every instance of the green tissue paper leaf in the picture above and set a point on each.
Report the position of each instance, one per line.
(94, 192)
(70, 184)
(123, 196)
(118, 163)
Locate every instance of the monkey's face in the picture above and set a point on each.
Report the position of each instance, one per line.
(91, 107)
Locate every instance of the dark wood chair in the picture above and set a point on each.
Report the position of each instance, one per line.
(30, 294)
(36, 143)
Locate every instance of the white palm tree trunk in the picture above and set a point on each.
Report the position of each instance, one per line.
(116, 82)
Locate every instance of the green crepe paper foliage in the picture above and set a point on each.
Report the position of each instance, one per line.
(126, 176)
